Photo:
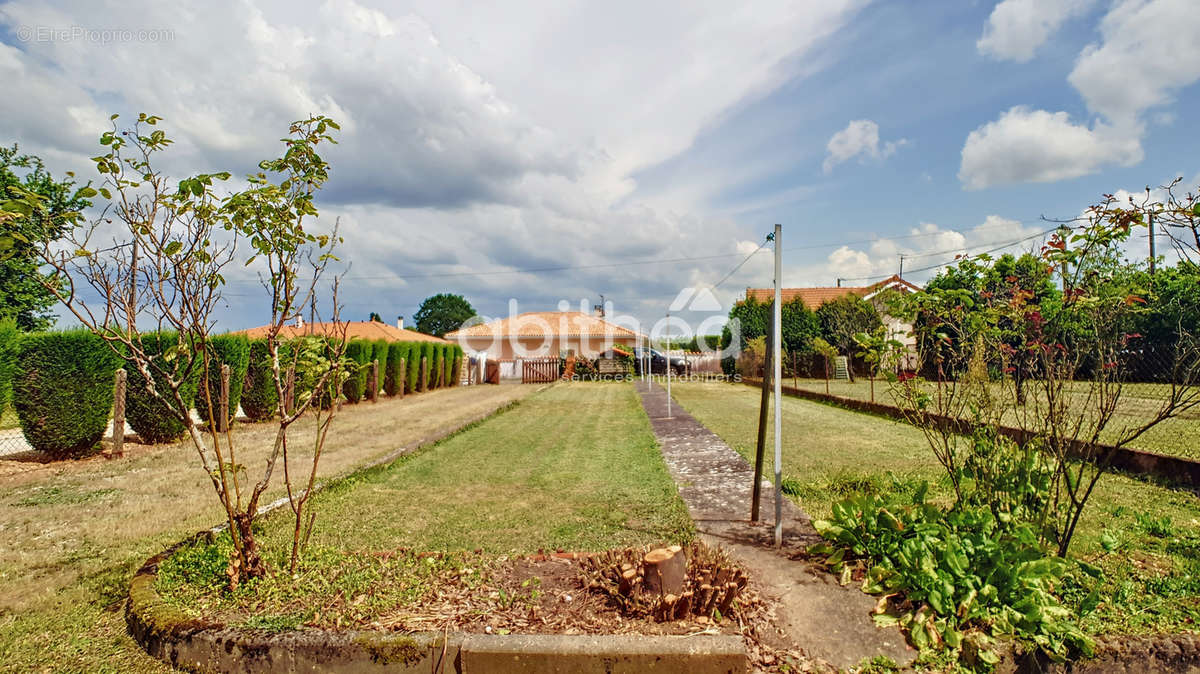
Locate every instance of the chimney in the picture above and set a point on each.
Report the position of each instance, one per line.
(299, 321)
(400, 322)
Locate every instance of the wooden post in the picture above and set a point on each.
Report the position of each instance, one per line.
(375, 381)
(424, 374)
(119, 414)
(222, 419)
(403, 374)
(763, 405)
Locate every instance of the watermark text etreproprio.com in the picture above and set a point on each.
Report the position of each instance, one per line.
(94, 35)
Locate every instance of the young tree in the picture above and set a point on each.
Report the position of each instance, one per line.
(23, 295)
(443, 313)
(170, 250)
(1074, 355)
(845, 317)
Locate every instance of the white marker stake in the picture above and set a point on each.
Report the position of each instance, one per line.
(778, 372)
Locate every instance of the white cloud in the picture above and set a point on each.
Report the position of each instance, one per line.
(860, 138)
(496, 136)
(1148, 51)
(1016, 28)
(1026, 145)
(926, 245)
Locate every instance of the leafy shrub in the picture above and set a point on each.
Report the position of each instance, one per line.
(358, 351)
(231, 350)
(153, 420)
(455, 367)
(437, 366)
(393, 376)
(412, 382)
(63, 391)
(259, 400)
(427, 352)
(379, 352)
(962, 577)
(9, 339)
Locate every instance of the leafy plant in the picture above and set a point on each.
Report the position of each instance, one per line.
(9, 339)
(952, 579)
(231, 350)
(259, 398)
(168, 358)
(63, 391)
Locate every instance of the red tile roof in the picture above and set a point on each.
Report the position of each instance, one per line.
(354, 330)
(545, 323)
(815, 297)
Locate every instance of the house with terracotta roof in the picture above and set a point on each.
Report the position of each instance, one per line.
(540, 334)
(898, 329)
(370, 330)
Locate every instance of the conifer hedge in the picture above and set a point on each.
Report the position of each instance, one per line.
(10, 338)
(437, 366)
(358, 351)
(63, 391)
(379, 352)
(412, 383)
(259, 398)
(150, 418)
(393, 376)
(234, 351)
(427, 353)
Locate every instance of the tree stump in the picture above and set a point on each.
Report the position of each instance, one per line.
(665, 570)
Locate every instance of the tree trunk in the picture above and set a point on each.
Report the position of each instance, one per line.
(665, 570)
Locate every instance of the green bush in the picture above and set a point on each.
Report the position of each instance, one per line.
(358, 351)
(393, 376)
(259, 400)
(231, 350)
(153, 420)
(427, 352)
(453, 368)
(413, 383)
(10, 338)
(379, 352)
(63, 391)
(437, 367)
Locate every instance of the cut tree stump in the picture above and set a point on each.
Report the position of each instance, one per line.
(665, 569)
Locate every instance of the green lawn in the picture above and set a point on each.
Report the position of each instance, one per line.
(828, 453)
(1175, 437)
(575, 467)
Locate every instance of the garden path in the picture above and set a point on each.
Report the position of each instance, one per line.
(814, 613)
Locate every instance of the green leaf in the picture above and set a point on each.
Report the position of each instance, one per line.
(173, 248)
(885, 620)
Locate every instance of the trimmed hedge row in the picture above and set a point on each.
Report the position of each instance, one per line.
(63, 391)
(234, 351)
(150, 418)
(260, 400)
(10, 338)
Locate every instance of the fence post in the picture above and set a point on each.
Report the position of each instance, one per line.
(403, 375)
(222, 419)
(424, 374)
(375, 380)
(119, 414)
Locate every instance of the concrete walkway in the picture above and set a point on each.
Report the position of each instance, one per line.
(814, 613)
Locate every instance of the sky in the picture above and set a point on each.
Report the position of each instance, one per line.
(551, 153)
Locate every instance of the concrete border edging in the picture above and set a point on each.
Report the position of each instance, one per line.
(1174, 469)
(195, 645)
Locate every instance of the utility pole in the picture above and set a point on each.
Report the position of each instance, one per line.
(764, 405)
(777, 374)
(901, 274)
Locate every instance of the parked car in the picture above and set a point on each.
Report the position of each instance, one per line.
(658, 361)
